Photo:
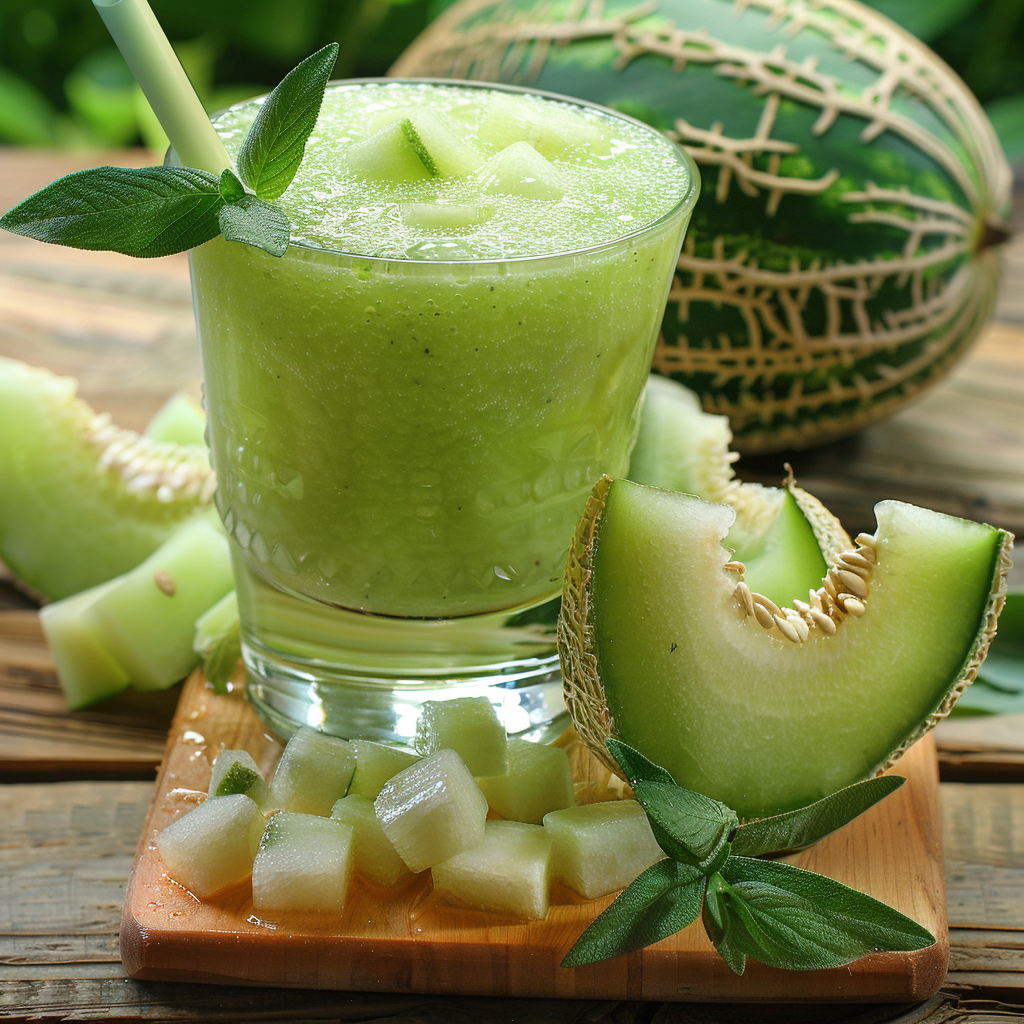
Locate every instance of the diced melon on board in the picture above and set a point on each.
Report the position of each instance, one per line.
(376, 763)
(314, 771)
(470, 727)
(234, 771)
(373, 854)
(539, 780)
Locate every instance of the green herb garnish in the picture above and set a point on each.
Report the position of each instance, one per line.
(156, 211)
(773, 912)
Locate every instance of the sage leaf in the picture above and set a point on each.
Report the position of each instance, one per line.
(689, 826)
(255, 222)
(146, 212)
(637, 767)
(793, 919)
(276, 142)
(796, 829)
(231, 189)
(659, 902)
(718, 924)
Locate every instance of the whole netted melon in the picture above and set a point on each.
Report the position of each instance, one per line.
(842, 256)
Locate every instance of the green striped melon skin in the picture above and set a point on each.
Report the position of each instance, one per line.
(840, 257)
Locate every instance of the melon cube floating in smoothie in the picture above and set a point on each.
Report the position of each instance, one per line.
(508, 873)
(213, 845)
(432, 810)
(519, 170)
(552, 133)
(304, 863)
(376, 763)
(600, 848)
(314, 771)
(539, 780)
(234, 771)
(388, 155)
(438, 135)
(373, 854)
(470, 727)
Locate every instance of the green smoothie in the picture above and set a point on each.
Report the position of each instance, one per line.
(412, 431)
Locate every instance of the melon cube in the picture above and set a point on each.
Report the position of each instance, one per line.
(539, 780)
(234, 771)
(388, 155)
(373, 854)
(519, 170)
(376, 763)
(444, 216)
(304, 863)
(600, 848)
(437, 138)
(551, 130)
(432, 810)
(314, 771)
(213, 845)
(470, 727)
(508, 873)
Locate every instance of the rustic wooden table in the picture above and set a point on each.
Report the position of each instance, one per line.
(74, 789)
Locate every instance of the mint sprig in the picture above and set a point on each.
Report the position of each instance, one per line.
(778, 914)
(157, 211)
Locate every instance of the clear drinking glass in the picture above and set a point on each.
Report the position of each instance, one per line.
(403, 448)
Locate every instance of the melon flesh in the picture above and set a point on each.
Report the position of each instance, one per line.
(235, 771)
(314, 771)
(539, 779)
(373, 854)
(376, 764)
(470, 727)
(749, 718)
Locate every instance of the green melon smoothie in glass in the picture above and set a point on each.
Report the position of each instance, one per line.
(408, 410)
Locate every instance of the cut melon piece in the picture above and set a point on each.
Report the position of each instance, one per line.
(508, 873)
(539, 779)
(444, 217)
(598, 849)
(83, 501)
(86, 670)
(218, 641)
(373, 854)
(432, 810)
(552, 131)
(213, 845)
(180, 420)
(314, 772)
(470, 727)
(390, 155)
(234, 771)
(783, 536)
(304, 864)
(146, 618)
(436, 140)
(519, 170)
(769, 709)
(376, 764)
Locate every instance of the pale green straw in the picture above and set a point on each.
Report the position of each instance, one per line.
(163, 80)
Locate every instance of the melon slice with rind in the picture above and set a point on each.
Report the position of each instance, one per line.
(767, 712)
(83, 500)
(784, 536)
(389, 155)
(235, 771)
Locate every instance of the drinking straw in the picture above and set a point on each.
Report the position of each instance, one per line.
(161, 77)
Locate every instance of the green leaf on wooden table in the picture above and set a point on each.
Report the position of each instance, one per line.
(999, 688)
(786, 917)
(637, 767)
(147, 212)
(276, 142)
(690, 827)
(796, 829)
(658, 903)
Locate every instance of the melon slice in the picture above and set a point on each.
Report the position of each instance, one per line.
(765, 708)
(314, 771)
(784, 536)
(83, 500)
(392, 154)
(436, 139)
(470, 727)
(538, 780)
(180, 419)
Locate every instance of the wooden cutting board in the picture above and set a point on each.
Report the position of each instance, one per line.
(408, 940)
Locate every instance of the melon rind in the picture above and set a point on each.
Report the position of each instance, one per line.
(83, 500)
(759, 660)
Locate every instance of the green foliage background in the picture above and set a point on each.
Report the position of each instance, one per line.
(62, 83)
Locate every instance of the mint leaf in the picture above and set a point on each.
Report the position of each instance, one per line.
(147, 212)
(805, 826)
(255, 222)
(276, 142)
(660, 902)
(637, 767)
(690, 827)
(786, 917)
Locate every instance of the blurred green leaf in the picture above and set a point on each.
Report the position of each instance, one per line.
(99, 91)
(926, 19)
(26, 116)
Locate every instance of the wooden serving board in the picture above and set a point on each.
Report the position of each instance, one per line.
(408, 940)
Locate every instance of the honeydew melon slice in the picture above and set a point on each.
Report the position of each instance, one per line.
(508, 873)
(391, 154)
(470, 727)
(539, 780)
(314, 772)
(372, 851)
(784, 536)
(519, 170)
(661, 646)
(87, 672)
(83, 500)
(180, 420)
(146, 618)
(436, 140)
(304, 864)
(213, 845)
(235, 771)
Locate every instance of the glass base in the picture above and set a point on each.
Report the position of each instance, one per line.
(368, 676)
